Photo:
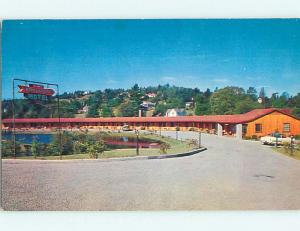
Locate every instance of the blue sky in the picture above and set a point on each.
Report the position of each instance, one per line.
(99, 54)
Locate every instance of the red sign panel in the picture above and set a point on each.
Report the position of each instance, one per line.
(36, 90)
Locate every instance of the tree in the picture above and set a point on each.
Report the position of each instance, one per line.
(252, 93)
(245, 105)
(202, 105)
(262, 93)
(164, 147)
(94, 148)
(161, 109)
(231, 100)
(94, 103)
(295, 104)
(279, 102)
(7, 148)
(207, 93)
(36, 148)
(128, 109)
(106, 111)
(65, 139)
(93, 111)
(134, 100)
(223, 101)
(52, 150)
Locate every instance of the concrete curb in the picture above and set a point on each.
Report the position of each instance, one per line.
(177, 154)
(193, 152)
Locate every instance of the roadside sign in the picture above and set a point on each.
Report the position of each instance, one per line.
(36, 92)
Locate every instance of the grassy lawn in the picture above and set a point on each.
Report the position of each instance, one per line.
(296, 154)
(176, 146)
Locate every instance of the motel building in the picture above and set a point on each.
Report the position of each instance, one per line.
(258, 122)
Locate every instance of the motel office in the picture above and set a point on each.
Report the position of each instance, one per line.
(259, 122)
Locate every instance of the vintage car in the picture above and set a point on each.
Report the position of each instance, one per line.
(126, 128)
(273, 138)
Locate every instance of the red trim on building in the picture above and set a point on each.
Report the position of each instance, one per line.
(229, 119)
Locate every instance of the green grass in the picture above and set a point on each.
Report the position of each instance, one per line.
(296, 154)
(177, 146)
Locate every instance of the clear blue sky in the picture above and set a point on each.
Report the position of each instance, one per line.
(99, 54)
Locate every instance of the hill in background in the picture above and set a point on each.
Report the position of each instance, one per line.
(152, 101)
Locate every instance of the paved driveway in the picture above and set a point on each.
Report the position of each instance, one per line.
(231, 174)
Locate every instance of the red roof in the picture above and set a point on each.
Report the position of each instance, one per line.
(237, 118)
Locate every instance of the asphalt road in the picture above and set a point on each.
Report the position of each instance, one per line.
(231, 174)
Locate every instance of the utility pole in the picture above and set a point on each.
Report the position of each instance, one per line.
(14, 124)
(137, 142)
(199, 139)
(159, 129)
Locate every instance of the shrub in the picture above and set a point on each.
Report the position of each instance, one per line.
(66, 140)
(298, 145)
(192, 143)
(297, 137)
(7, 148)
(254, 137)
(164, 147)
(286, 147)
(95, 148)
(36, 148)
(79, 147)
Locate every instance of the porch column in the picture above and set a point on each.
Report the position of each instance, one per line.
(239, 131)
(219, 130)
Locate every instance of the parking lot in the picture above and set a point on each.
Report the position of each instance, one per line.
(231, 174)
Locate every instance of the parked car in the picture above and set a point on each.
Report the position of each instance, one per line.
(271, 139)
(126, 128)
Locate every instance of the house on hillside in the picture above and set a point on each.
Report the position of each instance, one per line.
(189, 105)
(175, 112)
(84, 110)
(151, 95)
(147, 105)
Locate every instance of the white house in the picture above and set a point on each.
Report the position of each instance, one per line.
(151, 95)
(147, 104)
(175, 112)
(189, 104)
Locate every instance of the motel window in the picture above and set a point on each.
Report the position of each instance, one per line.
(258, 128)
(286, 127)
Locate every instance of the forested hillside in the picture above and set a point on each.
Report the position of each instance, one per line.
(121, 102)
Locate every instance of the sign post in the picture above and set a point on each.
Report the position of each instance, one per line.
(292, 145)
(199, 141)
(137, 142)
